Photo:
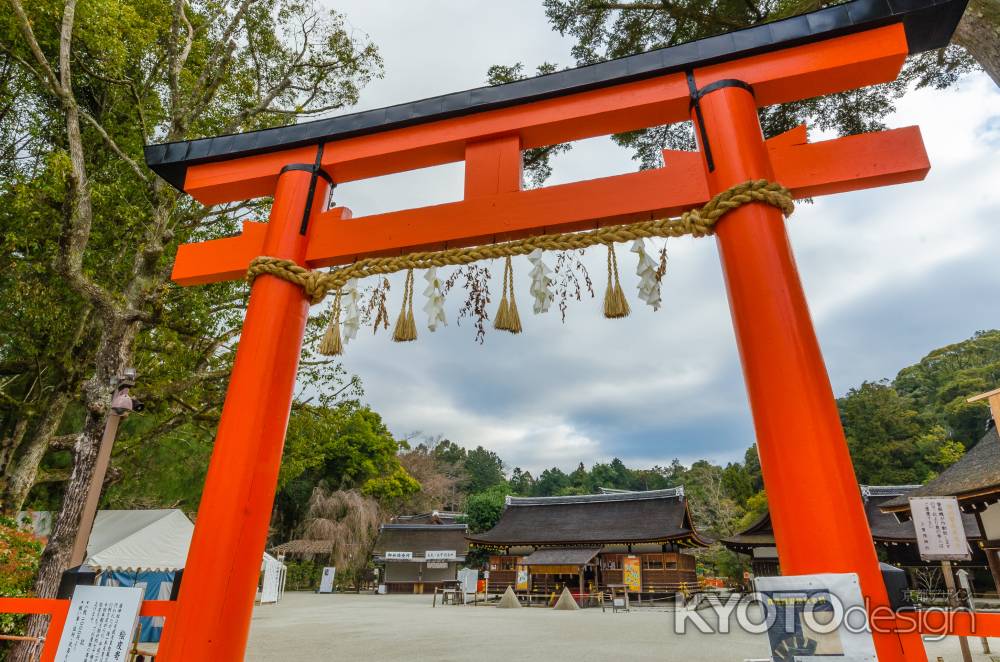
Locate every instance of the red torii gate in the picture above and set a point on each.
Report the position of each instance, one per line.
(719, 83)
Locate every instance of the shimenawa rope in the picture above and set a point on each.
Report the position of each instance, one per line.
(695, 222)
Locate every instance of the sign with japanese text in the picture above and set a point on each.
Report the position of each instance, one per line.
(521, 583)
(399, 556)
(437, 565)
(100, 624)
(440, 555)
(939, 528)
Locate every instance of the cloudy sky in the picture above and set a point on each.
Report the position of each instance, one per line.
(890, 274)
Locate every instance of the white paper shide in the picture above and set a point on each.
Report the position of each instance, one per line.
(541, 282)
(649, 284)
(352, 312)
(435, 300)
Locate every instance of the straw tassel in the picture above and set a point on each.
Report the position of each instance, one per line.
(406, 326)
(507, 317)
(332, 344)
(615, 303)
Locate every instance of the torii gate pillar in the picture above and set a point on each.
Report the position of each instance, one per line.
(803, 453)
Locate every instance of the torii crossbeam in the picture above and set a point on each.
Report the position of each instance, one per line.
(717, 82)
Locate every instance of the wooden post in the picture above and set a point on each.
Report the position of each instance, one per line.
(949, 583)
(993, 397)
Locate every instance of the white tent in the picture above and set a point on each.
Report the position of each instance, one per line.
(139, 539)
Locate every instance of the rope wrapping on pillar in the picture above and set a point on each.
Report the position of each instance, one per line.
(698, 222)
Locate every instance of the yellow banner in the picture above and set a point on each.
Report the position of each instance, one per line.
(522, 578)
(632, 575)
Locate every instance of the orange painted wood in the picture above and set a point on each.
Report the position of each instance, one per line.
(852, 163)
(493, 166)
(212, 618)
(847, 62)
(809, 169)
(804, 458)
(224, 259)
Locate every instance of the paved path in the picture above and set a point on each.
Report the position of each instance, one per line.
(306, 627)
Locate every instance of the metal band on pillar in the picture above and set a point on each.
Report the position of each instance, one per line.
(696, 96)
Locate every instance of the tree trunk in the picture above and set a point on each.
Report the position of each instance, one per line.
(114, 354)
(25, 467)
(979, 33)
(9, 446)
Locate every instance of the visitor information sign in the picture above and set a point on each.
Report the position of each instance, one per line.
(940, 532)
(100, 624)
(816, 617)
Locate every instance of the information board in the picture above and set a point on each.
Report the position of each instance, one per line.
(101, 624)
(816, 617)
(326, 581)
(940, 532)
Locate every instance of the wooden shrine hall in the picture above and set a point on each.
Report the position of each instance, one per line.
(419, 557)
(592, 541)
(895, 540)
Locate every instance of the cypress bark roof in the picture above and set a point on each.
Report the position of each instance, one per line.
(974, 479)
(418, 538)
(884, 526)
(630, 517)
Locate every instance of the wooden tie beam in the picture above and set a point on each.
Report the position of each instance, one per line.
(719, 83)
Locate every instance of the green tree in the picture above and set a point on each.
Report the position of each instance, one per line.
(95, 82)
(483, 510)
(521, 482)
(888, 443)
(551, 482)
(483, 470)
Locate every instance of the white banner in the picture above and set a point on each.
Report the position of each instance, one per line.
(398, 556)
(440, 555)
(100, 625)
(326, 581)
(940, 531)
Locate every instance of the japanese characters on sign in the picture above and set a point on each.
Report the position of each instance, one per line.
(399, 556)
(939, 528)
(440, 555)
(100, 624)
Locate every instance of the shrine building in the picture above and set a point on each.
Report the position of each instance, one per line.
(593, 541)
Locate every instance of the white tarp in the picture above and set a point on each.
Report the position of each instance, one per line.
(134, 539)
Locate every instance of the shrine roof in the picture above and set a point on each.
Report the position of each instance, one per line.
(589, 519)
(928, 24)
(974, 479)
(884, 526)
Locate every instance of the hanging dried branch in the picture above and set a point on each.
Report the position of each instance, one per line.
(477, 287)
(571, 278)
(374, 311)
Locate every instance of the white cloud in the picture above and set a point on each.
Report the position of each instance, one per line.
(890, 274)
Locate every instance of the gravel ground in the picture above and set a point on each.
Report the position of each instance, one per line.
(306, 626)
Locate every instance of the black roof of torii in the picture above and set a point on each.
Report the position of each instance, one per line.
(929, 24)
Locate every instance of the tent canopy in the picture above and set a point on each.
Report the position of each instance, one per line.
(133, 539)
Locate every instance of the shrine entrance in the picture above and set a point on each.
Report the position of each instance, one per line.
(738, 187)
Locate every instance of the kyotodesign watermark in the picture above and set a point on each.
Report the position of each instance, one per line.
(818, 612)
